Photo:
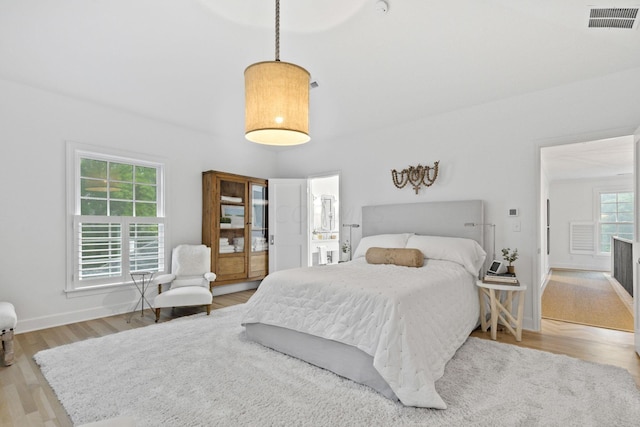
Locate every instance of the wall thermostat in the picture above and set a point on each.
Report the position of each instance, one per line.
(513, 212)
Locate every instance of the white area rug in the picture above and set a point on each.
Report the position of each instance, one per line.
(200, 371)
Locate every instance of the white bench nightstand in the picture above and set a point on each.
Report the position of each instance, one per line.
(501, 307)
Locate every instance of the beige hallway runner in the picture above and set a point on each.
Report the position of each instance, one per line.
(584, 297)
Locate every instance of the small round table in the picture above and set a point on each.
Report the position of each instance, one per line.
(501, 303)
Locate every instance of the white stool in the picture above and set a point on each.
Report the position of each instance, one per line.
(8, 321)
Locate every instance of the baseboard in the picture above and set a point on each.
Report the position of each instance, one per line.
(235, 287)
(545, 282)
(51, 321)
(626, 299)
(577, 267)
(528, 324)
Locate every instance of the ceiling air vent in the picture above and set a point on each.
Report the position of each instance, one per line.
(613, 17)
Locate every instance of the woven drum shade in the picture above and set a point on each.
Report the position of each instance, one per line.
(276, 103)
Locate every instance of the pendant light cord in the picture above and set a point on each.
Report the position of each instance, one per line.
(277, 30)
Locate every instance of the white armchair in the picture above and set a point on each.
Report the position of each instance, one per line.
(190, 279)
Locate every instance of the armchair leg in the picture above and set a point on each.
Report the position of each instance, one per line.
(209, 309)
(157, 314)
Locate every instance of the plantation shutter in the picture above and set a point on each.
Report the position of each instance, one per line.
(582, 238)
(102, 246)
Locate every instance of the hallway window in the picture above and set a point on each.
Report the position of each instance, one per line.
(615, 219)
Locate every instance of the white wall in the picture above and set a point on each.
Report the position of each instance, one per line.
(575, 200)
(488, 152)
(34, 126)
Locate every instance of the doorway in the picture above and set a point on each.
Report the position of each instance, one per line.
(575, 181)
(324, 224)
(304, 221)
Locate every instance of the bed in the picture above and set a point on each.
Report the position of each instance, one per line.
(388, 326)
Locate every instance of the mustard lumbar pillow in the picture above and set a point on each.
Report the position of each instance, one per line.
(396, 256)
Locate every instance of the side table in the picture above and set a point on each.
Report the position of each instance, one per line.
(501, 307)
(142, 281)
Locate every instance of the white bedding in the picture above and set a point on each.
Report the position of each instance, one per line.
(410, 320)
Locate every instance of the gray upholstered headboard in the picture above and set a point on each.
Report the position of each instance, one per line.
(428, 218)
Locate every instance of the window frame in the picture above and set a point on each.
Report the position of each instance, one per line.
(598, 211)
(76, 152)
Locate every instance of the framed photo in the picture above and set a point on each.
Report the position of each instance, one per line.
(232, 210)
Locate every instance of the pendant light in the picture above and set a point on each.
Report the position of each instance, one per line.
(276, 100)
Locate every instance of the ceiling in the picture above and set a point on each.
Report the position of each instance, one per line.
(592, 159)
(182, 61)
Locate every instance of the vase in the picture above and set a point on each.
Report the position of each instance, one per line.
(511, 269)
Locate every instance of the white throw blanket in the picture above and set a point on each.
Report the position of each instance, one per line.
(410, 320)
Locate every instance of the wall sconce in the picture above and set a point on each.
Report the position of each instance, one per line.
(493, 236)
(416, 175)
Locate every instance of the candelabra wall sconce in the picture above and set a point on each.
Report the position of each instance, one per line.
(417, 176)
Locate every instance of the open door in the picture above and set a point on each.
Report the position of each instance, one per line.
(636, 240)
(288, 224)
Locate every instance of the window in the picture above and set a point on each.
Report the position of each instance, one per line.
(118, 219)
(615, 218)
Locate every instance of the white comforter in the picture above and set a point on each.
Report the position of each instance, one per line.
(410, 320)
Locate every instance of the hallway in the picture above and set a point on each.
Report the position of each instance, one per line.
(589, 298)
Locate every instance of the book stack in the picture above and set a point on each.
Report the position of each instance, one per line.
(501, 279)
(225, 247)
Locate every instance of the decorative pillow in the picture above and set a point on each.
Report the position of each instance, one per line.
(395, 256)
(381, 241)
(466, 252)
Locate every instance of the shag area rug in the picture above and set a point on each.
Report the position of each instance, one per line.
(201, 371)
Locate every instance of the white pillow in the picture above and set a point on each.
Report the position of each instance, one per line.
(466, 252)
(381, 241)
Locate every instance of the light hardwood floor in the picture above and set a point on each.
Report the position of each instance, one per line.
(27, 400)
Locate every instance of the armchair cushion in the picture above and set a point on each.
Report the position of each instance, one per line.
(183, 296)
(183, 281)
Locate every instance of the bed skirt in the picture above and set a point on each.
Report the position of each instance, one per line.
(344, 360)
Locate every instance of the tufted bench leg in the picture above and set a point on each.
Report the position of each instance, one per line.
(8, 321)
(7, 347)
